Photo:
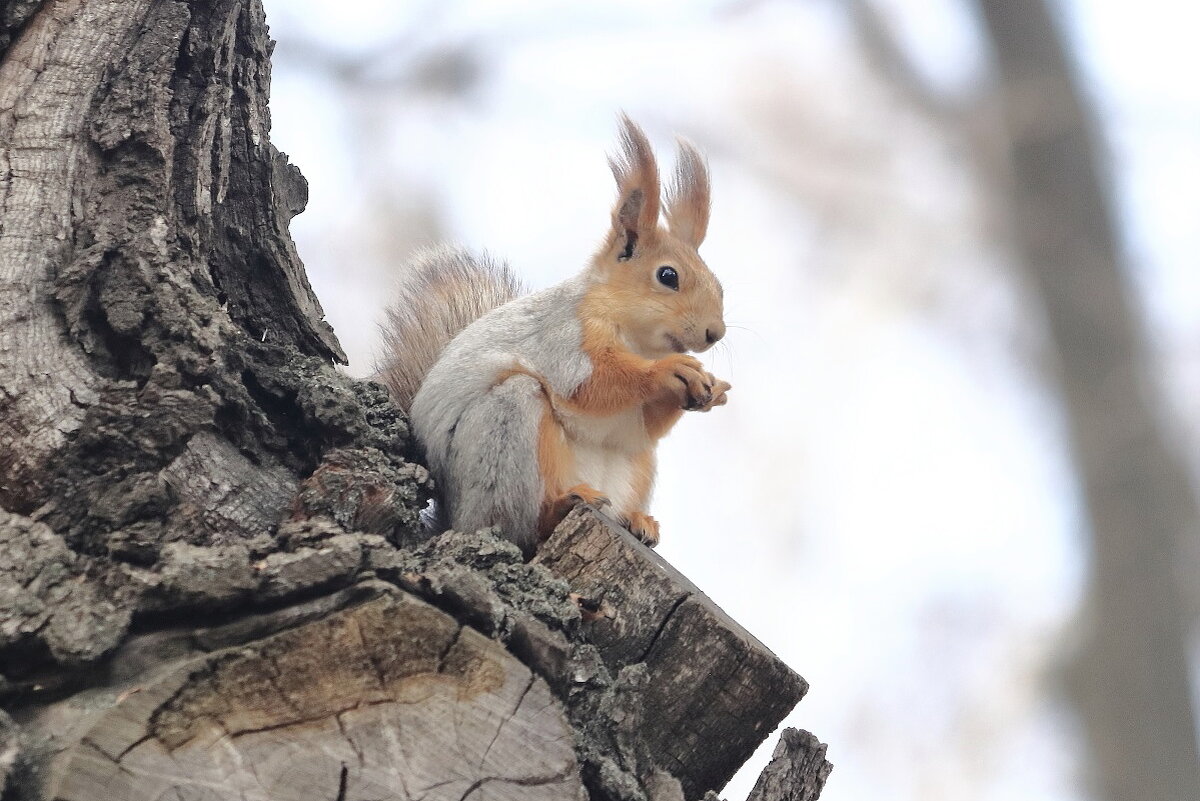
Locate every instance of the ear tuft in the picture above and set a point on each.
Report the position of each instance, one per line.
(688, 198)
(636, 213)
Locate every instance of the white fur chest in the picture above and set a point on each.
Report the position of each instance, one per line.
(624, 432)
(604, 449)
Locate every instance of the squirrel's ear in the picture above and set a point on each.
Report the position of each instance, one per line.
(636, 214)
(688, 196)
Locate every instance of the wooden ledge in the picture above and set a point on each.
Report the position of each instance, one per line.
(715, 692)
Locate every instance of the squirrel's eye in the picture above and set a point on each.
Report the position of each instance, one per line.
(668, 277)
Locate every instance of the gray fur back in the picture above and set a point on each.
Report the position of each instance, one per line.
(480, 436)
(491, 477)
(441, 292)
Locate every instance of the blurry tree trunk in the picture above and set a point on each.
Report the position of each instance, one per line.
(1130, 679)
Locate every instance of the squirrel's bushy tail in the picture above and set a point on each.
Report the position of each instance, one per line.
(441, 292)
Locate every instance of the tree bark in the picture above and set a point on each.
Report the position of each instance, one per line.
(214, 582)
(705, 673)
(1130, 680)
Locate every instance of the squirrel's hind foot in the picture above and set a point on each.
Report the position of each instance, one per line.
(560, 507)
(644, 527)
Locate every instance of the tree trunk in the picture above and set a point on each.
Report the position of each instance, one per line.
(213, 578)
(1130, 680)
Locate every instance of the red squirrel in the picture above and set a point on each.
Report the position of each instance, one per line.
(529, 404)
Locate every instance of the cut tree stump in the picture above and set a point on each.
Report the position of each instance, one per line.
(714, 692)
(207, 533)
(389, 699)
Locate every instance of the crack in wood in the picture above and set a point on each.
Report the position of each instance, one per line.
(350, 741)
(272, 673)
(532, 781)
(441, 661)
(662, 626)
(528, 686)
(342, 782)
(369, 653)
(133, 745)
(467, 700)
(713, 692)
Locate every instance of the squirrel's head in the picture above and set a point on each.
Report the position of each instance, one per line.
(650, 283)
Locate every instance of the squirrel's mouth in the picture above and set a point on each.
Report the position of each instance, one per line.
(675, 344)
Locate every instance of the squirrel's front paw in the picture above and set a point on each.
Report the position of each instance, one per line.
(719, 398)
(684, 378)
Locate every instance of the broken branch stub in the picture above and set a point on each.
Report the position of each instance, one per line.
(797, 770)
(714, 691)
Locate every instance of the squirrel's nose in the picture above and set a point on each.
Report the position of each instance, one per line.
(713, 334)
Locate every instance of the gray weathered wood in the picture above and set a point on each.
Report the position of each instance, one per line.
(389, 699)
(714, 691)
(797, 770)
(143, 241)
(47, 80)
(164, 368)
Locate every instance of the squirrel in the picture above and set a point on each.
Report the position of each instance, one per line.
(528, 404)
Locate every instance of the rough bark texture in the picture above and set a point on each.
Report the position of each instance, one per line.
(296, 684)
(213, 580)
(1130, 678)
(797, 770)
(165, 370)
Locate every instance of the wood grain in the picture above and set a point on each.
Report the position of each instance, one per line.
(390, 699)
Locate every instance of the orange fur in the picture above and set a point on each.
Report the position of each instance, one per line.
(555, 461)
(554, 509)
(688, 196)
(619, 379)
(660, 417)
(643, 480)
(636, 172)
(641, 524)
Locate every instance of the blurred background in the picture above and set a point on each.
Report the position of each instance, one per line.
(956, 483)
